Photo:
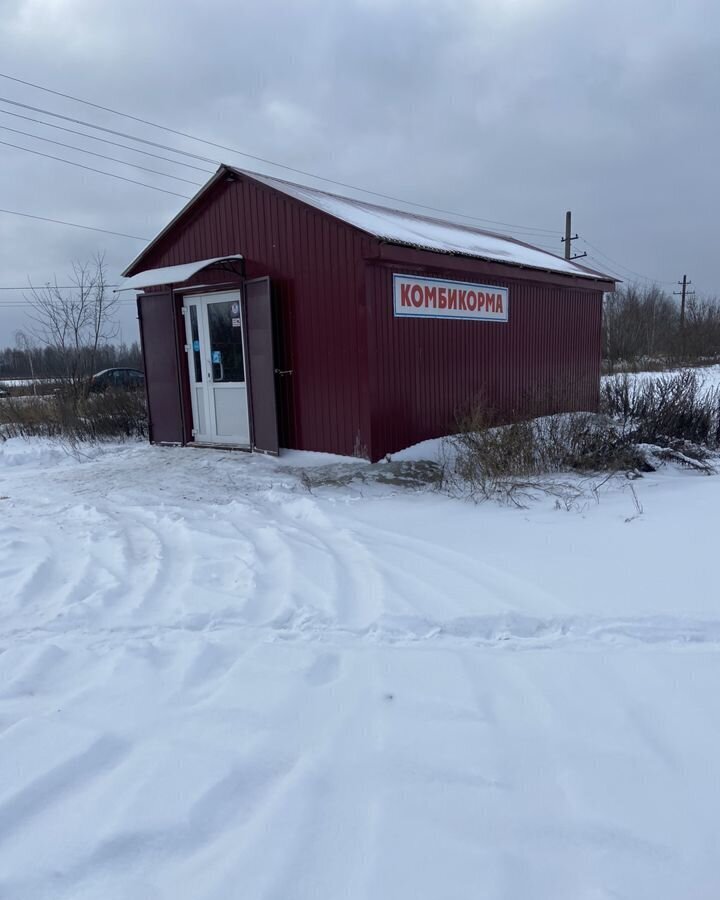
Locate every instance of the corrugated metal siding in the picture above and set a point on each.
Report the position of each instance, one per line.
(362, 379)
(317, 273)
(426, 371)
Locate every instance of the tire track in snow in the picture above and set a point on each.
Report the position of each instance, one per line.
(172, 562)
(358, 593)
(479, 579)
(308, 573)
(503, 631)
(45, 791)
(286, 788)
(322, 817)
(30, 671)
(132, 554)
(272, 591)
(226, 805)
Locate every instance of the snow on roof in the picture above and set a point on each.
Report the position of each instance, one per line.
(169, 274)
(399, 227)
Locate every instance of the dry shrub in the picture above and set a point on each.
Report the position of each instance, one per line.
(644, 423)
(664, 410)
(97, 417)
(513, 462)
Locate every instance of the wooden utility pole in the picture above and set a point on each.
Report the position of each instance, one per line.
(683, 293)
(569, 238)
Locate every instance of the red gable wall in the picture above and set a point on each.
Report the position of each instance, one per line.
(317, 271)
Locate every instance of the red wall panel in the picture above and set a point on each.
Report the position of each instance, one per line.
(546, 358)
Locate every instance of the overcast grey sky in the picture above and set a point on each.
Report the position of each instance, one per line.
(513, 110)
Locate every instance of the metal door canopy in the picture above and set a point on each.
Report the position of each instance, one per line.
(171, 274)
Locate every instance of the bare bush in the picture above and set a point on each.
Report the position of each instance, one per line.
(514, 462)
(664, 410)
(644, 424)
(96, 417)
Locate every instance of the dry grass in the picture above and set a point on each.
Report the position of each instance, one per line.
(643, 425)
(111, 415)
(664, 409)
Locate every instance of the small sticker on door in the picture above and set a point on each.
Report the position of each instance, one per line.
(216, 357)
(236, 323)
(235, 310)
(196, 346)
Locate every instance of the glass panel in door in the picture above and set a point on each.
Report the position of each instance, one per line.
(194, 339)
(226, 342)
(195, 344)
(228, 391)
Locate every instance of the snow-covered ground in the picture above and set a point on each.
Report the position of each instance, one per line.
(216, 684)
(708, 375)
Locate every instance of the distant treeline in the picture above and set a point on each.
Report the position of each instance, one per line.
(643, 328)
(48, 362)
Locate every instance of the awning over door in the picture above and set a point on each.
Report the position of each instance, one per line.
(172, 274)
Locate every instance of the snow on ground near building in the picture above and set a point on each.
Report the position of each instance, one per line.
(215, 684)
(708, 375)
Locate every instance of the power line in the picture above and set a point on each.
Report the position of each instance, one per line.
(132, 137)
(152, 187)
(262, 159)
(59, 287)
(24, 304)
(544, 246)
(619, 265)
(13, 212)
(27, 306)
(602, 267)
(94, 137)
(13, 304)
(123, 162)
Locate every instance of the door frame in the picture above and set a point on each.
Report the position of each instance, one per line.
(202, 300)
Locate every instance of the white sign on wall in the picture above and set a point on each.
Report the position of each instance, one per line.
(436, 298)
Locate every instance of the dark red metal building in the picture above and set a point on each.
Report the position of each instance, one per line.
(276, 315)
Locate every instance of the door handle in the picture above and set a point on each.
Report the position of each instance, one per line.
(211, 372)
(283, 371)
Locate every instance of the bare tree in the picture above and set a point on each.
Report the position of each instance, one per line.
(639, 323)
(24, 343)
(77, 321)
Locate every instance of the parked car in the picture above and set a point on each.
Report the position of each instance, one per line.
(118, 379)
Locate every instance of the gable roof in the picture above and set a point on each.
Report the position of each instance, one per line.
(394, 226)
(407, 229)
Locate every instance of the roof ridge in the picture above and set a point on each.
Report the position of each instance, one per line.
(306, 193)
(370, 204)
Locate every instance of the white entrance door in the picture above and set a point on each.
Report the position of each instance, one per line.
(216, 362)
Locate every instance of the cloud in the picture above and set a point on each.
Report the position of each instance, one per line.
(512, 110)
